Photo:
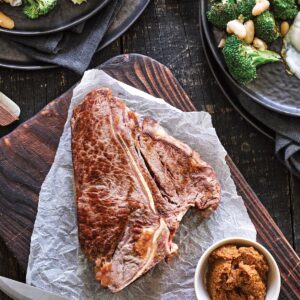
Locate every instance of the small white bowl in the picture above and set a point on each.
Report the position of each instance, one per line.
(274, 281)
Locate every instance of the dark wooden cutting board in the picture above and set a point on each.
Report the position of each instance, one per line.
(27, 153)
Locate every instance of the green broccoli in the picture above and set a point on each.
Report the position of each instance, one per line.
(284, 9)
(243, 59)
(265, 27)
(221, 12)
(244, 8)
(33, 9)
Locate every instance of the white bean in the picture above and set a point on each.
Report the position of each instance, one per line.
(5, 21)
(249, 25)
(259, 44)
(222, 43)
(284, 28)
(237, 28)
(260, 7)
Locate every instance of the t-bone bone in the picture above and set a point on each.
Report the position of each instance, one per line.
(134, 183)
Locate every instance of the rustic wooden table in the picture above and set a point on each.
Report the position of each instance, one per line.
(169, 32)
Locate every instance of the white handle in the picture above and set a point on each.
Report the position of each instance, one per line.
(9, 110)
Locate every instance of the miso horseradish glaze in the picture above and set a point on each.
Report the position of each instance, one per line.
(237, 273)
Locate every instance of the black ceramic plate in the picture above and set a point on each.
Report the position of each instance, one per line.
(224, 86)
(64, 15)
(273, 88)
(129, 13)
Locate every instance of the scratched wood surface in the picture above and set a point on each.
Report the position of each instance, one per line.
(168, 31)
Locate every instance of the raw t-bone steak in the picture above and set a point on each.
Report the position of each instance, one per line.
(134, 183)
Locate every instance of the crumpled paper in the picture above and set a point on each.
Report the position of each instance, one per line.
(56, 263)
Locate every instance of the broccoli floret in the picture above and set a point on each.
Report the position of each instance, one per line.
(265, 27)
(245, 8)
(33, 9)
(243, 59)
(46, 5)
(221, 12)
(284, 9)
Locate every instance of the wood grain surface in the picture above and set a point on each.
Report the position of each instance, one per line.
(27, 153)
(169, 31)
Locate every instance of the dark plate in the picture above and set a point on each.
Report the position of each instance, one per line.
(64, 15)
(228, 93)
(274, 88)
(129, 13)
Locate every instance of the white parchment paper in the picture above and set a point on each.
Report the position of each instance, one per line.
(56, 262)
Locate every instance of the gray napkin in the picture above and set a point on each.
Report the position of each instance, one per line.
(74, 48)
(50, 43)
(287, 129)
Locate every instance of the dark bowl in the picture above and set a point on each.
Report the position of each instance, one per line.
(63, 16)
(274, 88)
(128, 14)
